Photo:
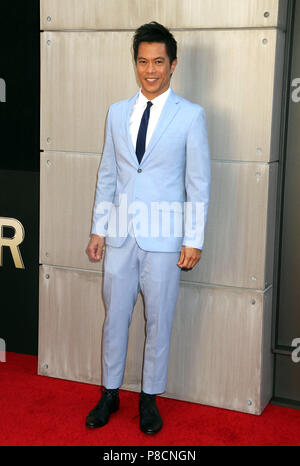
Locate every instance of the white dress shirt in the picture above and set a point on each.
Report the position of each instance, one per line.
(137, 113)
(135, 120)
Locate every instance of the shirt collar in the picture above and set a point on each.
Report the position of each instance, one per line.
(157, 101)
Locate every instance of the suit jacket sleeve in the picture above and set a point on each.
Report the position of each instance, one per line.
(106, 184)
(197, 182)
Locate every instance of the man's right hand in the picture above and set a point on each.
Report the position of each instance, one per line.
(95, 247)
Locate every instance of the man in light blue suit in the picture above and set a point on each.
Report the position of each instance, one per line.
(150, 212)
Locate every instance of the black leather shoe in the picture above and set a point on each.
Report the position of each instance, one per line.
(108, 404)
(150, 419)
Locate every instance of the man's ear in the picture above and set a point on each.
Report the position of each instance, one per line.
(173, 66)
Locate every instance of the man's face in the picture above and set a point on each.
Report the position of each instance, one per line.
(153, 68)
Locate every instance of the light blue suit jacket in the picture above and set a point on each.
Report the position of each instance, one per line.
(174, 169)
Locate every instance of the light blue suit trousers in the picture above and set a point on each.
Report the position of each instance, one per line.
(127, 270)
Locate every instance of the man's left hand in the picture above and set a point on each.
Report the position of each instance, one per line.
(189, 257)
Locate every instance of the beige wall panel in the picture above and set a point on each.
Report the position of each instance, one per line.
(225, 348)
(277, 96)
(239, 238)
(220, 350)
(67, 192)
(271, 223)
(81, 75)
(267, 356)
(71, 317)
(128, 14)
(230, 73)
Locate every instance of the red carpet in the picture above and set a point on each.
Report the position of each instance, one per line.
(38, 410)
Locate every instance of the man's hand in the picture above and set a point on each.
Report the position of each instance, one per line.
(95, 247)
(189, 257)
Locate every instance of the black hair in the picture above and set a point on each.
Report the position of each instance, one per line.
(155, 32)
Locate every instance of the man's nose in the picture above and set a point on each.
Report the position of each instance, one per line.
(151, 67)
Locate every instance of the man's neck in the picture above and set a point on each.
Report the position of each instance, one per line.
(154, 97)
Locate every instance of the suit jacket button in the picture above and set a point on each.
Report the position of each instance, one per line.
(139, 170)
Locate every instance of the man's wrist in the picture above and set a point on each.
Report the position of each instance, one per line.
(96, 234)
(192, 247)
(192, 244)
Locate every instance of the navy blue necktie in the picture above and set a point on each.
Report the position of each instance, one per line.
(141, 138)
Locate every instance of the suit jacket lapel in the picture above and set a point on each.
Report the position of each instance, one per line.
(169, 111)
(128, 110)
